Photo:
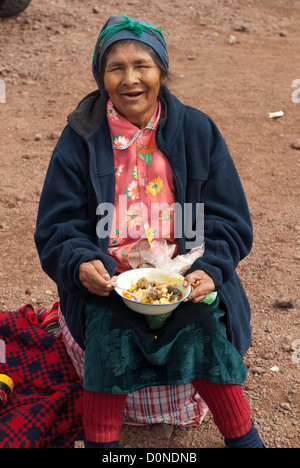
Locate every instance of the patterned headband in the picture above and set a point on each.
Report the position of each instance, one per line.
(136, 27)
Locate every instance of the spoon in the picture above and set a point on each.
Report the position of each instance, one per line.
(122, 289)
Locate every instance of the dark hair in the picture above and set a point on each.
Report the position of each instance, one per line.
(164, 72)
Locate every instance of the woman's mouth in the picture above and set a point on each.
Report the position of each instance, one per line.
(132, 96)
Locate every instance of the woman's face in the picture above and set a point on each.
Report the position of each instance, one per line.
(132, 80)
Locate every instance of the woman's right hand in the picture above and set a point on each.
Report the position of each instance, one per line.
(95, 278)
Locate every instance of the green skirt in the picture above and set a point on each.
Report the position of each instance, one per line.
(123, 354)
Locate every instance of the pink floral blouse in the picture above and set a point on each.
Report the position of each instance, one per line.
(144, 192)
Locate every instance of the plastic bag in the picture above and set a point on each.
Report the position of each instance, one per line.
(160, 255)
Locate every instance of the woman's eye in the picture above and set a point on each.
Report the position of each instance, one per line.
(113, 68)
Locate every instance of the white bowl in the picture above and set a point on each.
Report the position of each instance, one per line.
(129, 278)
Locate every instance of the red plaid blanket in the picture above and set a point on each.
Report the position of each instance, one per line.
(45, 408)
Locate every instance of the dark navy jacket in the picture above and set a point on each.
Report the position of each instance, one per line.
(81, 175)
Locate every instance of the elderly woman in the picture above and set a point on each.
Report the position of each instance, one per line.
(133, 140)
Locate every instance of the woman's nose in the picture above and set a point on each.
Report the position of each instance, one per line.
(130, 76)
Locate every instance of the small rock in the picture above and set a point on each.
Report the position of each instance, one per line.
(162, 431)
(96, 10)
(285, 406)
(66, 24)
(296, 144)
(287, 302)
(29, 82)
(246, 28)
(38, 137)
(250, 387)
(295, 345)
(28, 292)
(54, 135)
(258, 370)
(232, 40)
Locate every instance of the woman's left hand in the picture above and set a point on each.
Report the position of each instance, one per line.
(202, 284)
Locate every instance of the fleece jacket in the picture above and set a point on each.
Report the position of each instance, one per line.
(81, 178)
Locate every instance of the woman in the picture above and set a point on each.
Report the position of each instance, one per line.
(133, 140)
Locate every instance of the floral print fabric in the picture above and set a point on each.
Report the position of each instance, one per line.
(144, 192)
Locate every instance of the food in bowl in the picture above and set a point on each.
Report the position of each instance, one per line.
(153, 292)
(130, 278)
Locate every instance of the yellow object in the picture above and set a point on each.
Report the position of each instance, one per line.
(7, 380)
(6, 387)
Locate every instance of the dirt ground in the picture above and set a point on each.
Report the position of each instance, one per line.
(236, 61)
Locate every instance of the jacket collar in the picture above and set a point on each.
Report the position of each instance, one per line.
(91, 112)
(88, 115)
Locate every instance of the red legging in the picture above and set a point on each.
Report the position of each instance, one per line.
(230, 409)
(103, 412)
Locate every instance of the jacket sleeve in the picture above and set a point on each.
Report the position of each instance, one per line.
(228, 233)
(65, 234)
